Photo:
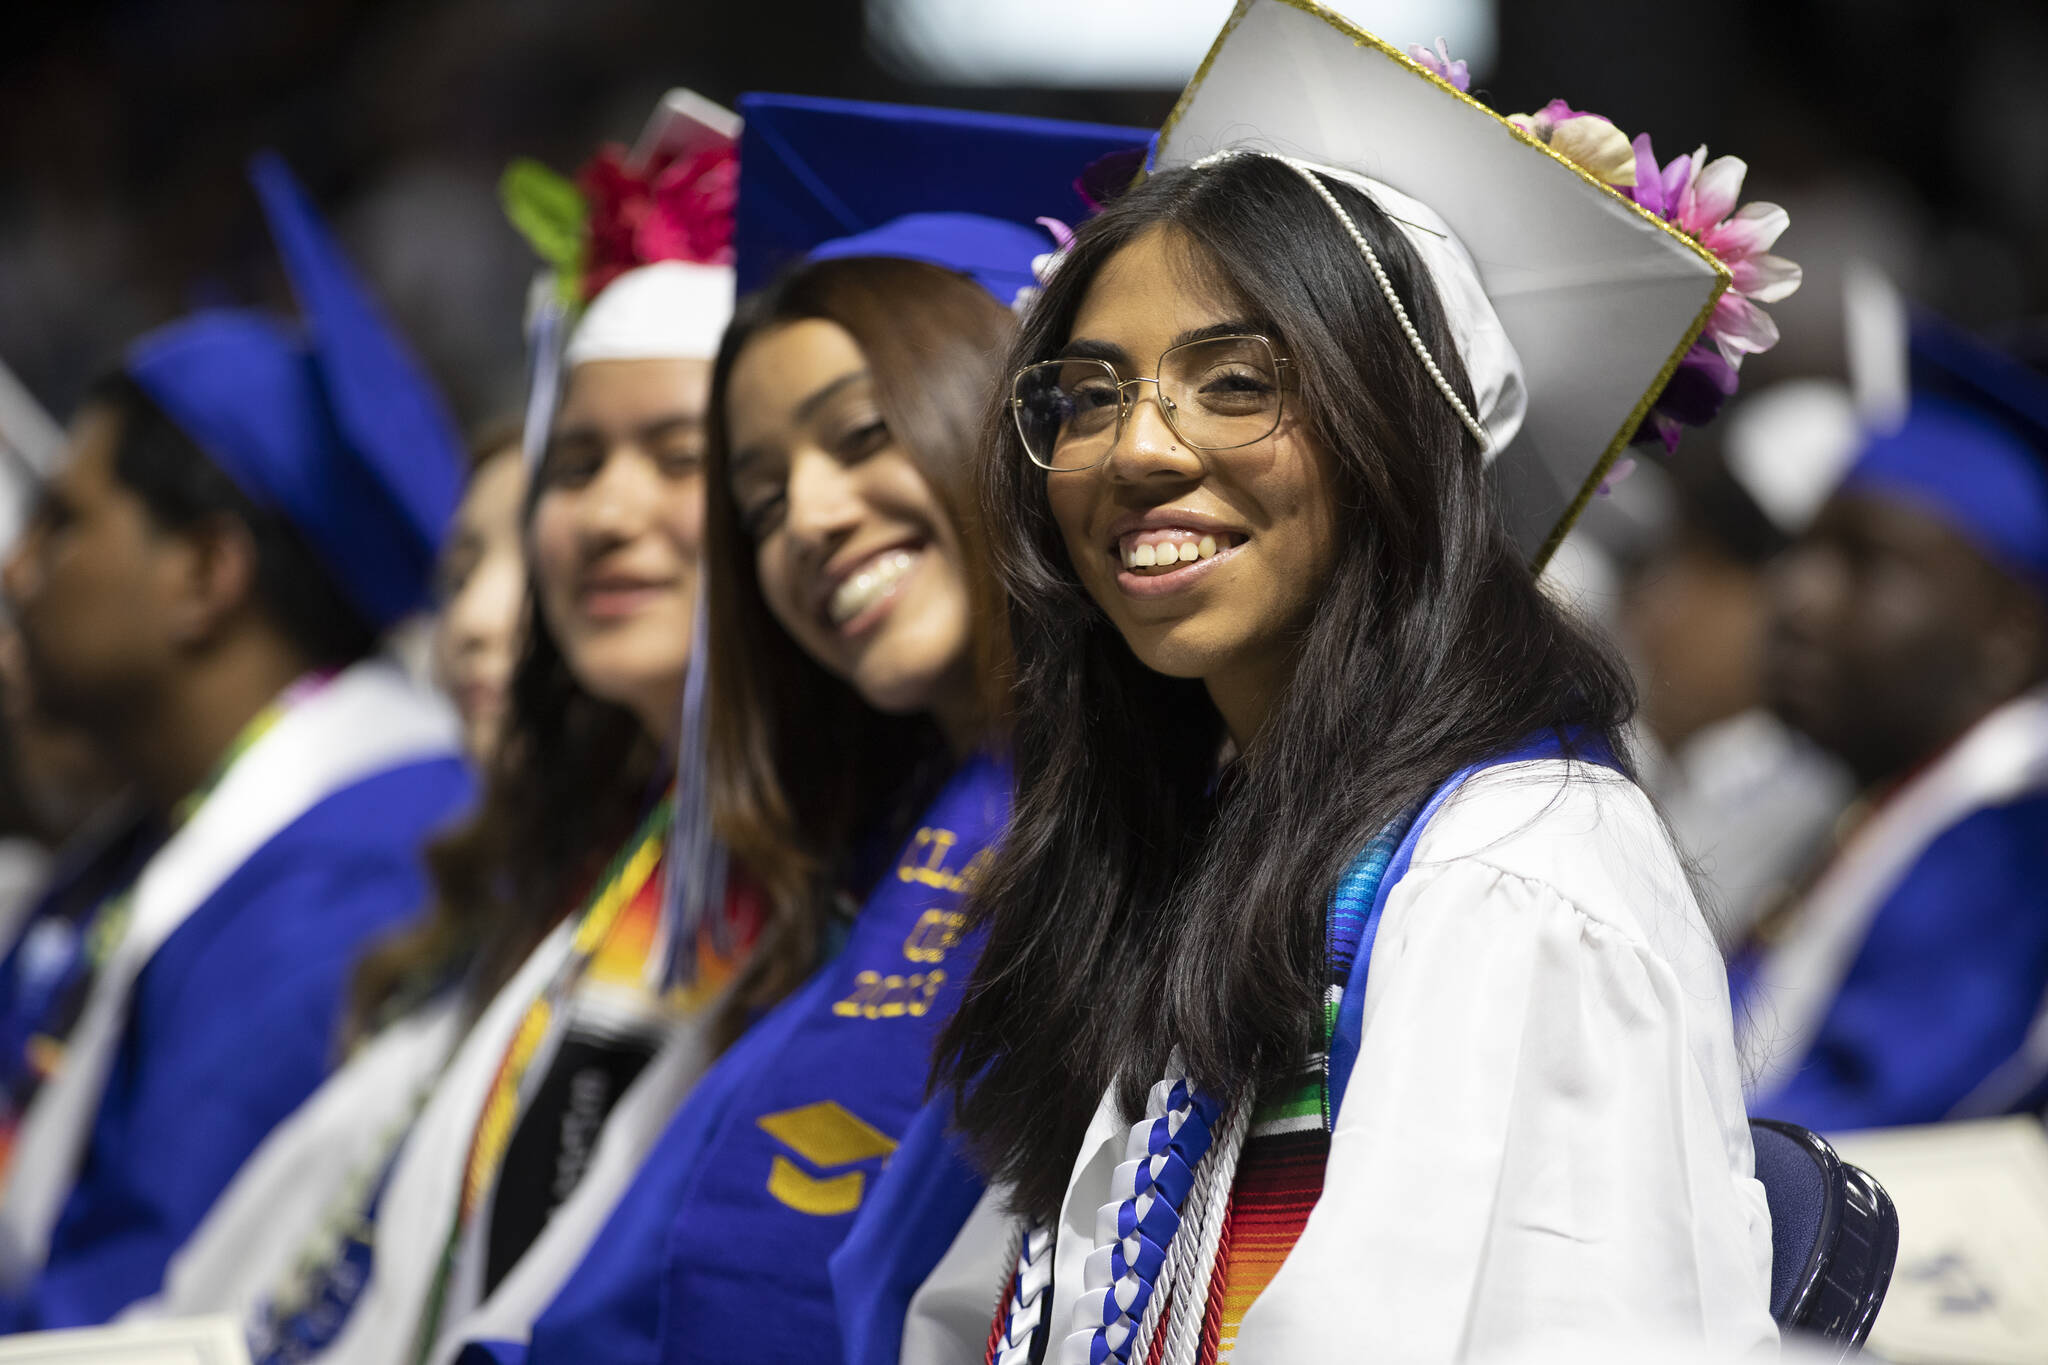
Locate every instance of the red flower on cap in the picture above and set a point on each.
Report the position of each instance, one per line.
(678, 210)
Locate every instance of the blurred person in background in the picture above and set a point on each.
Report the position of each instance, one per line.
(242, 510)
(518, 1047)
(63, 783)
(25, 846)
(1909, 635)
(1746, 796)
(482, 590)
(58, 796)
(271, 1210)
(57, 791)
(857, 657)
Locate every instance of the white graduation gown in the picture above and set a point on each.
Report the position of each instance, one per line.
(294, 1187)
(420, 1201)
(1544, 1139)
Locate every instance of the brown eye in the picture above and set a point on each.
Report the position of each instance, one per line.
(680, 461)
(570, 464)
(453, 574)
(761, 513)
(863, 440)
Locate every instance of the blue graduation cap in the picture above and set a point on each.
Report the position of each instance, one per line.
(823, 178)
(332, 424)
(1973, 448)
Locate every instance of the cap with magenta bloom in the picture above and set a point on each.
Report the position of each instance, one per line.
(330, 422)
(823, 179)
(1972, 450)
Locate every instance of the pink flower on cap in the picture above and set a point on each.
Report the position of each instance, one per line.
(1699, 197)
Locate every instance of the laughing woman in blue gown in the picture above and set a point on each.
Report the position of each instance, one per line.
(855, 712)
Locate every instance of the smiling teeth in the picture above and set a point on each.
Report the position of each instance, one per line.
(870, 585)
(1171, 553)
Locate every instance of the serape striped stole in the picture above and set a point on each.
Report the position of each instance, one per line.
(1280, 1173)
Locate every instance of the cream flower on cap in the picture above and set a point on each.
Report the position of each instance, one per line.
(1586, 140)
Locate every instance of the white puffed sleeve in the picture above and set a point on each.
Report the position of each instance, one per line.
(1544, 1139)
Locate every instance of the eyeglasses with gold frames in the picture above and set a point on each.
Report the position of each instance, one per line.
(1217, 393)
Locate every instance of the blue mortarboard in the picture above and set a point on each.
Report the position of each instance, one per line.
(331, 424)
(1973, 448)
(826, 178)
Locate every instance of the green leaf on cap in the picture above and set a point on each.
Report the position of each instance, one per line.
(550, 213)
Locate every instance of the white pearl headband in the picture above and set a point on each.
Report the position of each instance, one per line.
(1490, 360)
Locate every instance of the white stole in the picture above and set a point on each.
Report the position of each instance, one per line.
(2002, 758)
(635, 1124)
(367, 720)
(420, 1203)
(293, 1187)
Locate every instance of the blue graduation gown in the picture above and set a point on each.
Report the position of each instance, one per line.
(232, 1025)
(1945, 986)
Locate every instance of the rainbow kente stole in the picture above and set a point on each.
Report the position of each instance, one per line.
(1280, 1172)
(614, 935)
(612, 947)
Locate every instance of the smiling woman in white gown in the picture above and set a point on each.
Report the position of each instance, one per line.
(1398, 1033)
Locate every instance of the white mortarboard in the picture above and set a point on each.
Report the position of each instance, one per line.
(671, 310)
(1592, 298)
(1789, 445)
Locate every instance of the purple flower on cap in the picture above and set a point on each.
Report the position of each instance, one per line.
(1439, 63)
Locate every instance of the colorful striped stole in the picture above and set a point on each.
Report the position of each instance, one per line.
(1277, 1179)
(1280, 1172)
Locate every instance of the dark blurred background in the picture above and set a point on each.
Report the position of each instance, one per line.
(1906, 133)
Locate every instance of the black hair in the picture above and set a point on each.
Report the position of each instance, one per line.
(1140, 903)
(182, 488)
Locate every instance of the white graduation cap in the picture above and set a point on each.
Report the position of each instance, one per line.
(1599, 299)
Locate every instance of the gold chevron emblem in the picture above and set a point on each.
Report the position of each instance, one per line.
(825, 1135)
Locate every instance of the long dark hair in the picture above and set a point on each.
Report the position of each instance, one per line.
(802, 770)
(1140, 903)
(569, 777)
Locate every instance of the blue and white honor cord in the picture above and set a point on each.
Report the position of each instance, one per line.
(1154, 1246)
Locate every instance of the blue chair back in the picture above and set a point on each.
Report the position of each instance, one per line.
(1834, 1236)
